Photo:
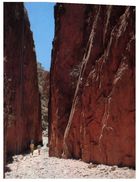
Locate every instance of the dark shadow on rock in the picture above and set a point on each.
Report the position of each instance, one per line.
(7, 169)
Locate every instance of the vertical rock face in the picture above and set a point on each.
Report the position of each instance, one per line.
(22, 112)
(92, 84)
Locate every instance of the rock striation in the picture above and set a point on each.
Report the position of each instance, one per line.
(22, 111)
(92, 84)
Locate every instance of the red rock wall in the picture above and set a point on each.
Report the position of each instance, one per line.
(92, 85)
(22, 111)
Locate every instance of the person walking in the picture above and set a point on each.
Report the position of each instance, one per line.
(32, 147)
(39, 149)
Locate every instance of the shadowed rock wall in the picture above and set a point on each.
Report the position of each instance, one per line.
(22, 111)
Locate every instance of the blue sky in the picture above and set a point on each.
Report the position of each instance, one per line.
(41, 16)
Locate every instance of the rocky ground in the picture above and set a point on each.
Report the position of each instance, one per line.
(43, 166)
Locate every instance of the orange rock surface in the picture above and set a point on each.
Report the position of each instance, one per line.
(92, 84)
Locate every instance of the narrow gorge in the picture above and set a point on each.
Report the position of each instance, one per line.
(86, 103)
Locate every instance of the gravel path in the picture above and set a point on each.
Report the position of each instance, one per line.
(43, 166)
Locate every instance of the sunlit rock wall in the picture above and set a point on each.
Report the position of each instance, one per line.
(92, 84)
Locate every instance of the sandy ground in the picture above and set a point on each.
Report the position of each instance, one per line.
(43, 166)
